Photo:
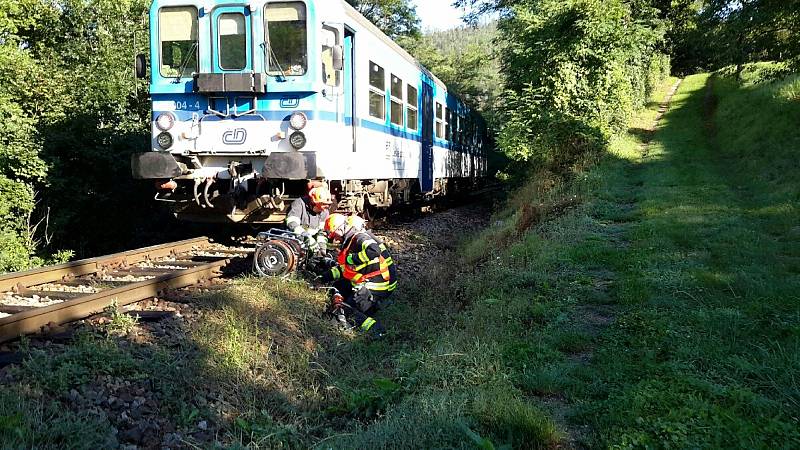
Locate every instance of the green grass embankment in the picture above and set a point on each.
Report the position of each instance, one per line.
(704, 350)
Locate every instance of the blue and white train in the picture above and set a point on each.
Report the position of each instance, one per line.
(252, 100)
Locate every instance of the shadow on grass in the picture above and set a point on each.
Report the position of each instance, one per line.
(705, 352)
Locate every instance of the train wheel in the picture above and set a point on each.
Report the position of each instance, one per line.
(274, 259)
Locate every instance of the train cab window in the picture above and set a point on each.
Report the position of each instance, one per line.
(412, 108)
(396, 113)
(285, 25)
(177, 32)
(377, 91)
(439, 121)
(329, 38)
(232, 41)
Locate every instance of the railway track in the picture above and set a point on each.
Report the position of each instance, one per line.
(55, 295)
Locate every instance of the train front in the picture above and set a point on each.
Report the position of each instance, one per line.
(238, 92)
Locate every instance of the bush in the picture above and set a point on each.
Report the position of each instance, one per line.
(577, 70)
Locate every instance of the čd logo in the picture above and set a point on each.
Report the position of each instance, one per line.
(235, 137)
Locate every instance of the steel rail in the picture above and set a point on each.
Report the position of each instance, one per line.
(93, 265)
(33, 320)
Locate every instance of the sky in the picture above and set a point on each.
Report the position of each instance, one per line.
(438, 14)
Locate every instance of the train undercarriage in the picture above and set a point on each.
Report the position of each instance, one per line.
(259, 200)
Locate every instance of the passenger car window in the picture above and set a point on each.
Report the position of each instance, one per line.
(439, 121)
(412, 104)
(232, 41)
(285, 24)
(448, 117)
(177, 31)
(396, 113)
(377, 91)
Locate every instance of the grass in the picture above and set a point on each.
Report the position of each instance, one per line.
(650, 301)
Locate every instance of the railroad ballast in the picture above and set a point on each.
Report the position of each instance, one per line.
(251, 100)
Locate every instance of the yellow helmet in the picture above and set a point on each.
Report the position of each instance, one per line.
(320, 196)
(335, 225)
(355, 223)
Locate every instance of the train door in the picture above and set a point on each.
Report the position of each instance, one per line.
(232, 53)
(350, 116)
(230, 26)
(426, 161)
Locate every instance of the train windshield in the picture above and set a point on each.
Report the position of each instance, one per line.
(286, 38)
(177, 28)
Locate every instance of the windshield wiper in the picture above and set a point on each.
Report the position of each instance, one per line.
(186, 62)
(272, 56)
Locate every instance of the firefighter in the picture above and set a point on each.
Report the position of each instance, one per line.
(364, 275)
(306, 217)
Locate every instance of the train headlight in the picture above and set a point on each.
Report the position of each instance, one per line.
(165, 140)
(298, 121)
(165, 121)
(298, 140)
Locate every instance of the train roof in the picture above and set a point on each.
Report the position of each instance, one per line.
(363, 21)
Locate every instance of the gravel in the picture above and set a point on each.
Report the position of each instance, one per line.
(67, 289)
(11, 299)
(417, 243)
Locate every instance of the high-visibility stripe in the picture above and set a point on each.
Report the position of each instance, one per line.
(368, 323)
(363, 253)
(368, 263)
(383, 287)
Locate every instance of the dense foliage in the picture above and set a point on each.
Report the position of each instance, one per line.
(466, 60)
(21, 166)
(73, 112)
(750, 31)
(396, 18)
(576, 71)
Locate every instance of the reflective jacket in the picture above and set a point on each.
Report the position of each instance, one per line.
(364, 260)
(301, 217)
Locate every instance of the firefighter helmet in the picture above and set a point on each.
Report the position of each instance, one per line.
(335, 225)
(355, 223)
(320, 196)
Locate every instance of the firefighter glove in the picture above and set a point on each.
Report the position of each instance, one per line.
(309, 241)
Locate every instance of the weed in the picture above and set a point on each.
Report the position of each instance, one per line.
(120, 324)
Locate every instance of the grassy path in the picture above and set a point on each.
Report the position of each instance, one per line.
(704, 350)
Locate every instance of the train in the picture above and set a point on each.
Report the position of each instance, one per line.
(254, 100)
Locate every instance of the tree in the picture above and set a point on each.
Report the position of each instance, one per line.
(466, 61)
(73, 114)
(752, 30)
(21, 167)
(575, 71)
(395, 18)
